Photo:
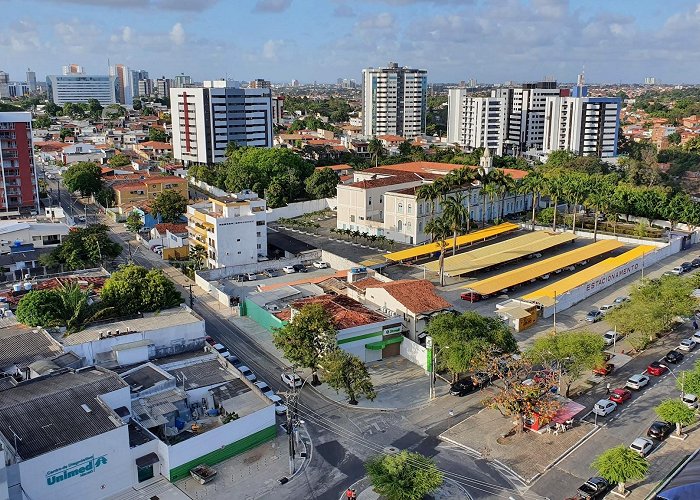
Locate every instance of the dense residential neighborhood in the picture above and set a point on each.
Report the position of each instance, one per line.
(397, 283)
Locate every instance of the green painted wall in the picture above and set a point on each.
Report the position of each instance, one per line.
(360, 337)
(262, 317)
(228, 451)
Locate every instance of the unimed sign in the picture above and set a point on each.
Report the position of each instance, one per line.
(611, 277)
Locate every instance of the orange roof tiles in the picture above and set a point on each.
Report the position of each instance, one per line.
(173, 228)
(155, 145)
(344, 311)
(418, 296)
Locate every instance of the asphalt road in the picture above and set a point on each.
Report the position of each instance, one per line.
(344, 438)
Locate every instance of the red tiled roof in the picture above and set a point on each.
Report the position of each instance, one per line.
(344, 311)
(96, 282)
(157, 179)
(155, 145)
(367, 282)
(336, 168)
(385, 181)
(284, 315)
(419, 167)
(390, 138)
(418, 296)
(173, 228)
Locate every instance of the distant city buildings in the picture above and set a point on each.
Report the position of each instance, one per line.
(650, 80)
(476, 122)
(145, 87)
(205, 119)
(18, 185)
(124, 84)
(73, 69)
(136, 77)
(394, 101)
(77, 87)
(162, 87)
(31, 80)
(259, 83)
(4, 84)
(182, 80)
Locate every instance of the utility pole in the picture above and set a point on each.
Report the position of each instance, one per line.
(431, 349)
(191, 295)
(291, 415)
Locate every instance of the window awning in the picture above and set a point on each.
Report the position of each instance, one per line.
(147, 460)
(378, 346)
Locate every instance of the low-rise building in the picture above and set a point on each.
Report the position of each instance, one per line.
(82, 151)
(233, 230)
(137, 192)
(152, 150)
(18, 233)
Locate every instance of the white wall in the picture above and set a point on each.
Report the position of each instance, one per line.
(301, 208)
(214, 439)
(415, 353)
(106, 479)
(227, 272)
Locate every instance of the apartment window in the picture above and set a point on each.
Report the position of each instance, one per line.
(369, 201)
(400, 208)
(420, 226)
(409, 209)
(399, 226)
(259, 246)
(352, 218)
(381, 199)
(258, 234)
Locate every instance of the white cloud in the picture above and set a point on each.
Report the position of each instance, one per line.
(271, 49)
(126, 34)
(177, 34)
(381, 21)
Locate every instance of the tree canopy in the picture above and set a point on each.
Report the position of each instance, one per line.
(308, 337)
(620, 465)
(403, 476)
(156, 134)
(169, 205)
(83, 248)
(322, 183)
(676, 412)
(461, 338)
(134, 222)
(84, 177)
(119, 160)
(133, 289)
(346, 372)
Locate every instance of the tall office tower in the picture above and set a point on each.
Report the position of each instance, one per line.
(277, 109)
(80, 88)
(18, 185)
(4, 84)
(259, 83)
(136, 76)
(123, 76)
(182, 80)
(162, 87)
(31, 80)
(145, 87)
(581, 124)
(650, 80)
(476, 122)
(205, 119)
(525, 107)
(73, 69)
(394, 101)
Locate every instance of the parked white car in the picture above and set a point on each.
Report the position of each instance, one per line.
(321, 265)
(610, 337)
(696, 336)
(642, 446)
(222, 349)
(292, 380)
(289, 269)
(687, 345)
(691, 401)
(636, 382)
(621, 300)
(606, 307)
(604, 407)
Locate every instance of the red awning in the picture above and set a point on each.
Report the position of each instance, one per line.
(567, 412)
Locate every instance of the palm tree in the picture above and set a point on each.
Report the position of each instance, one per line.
(554, 189)
(197, 254)
(440, 229)
(600, 196)
(455, 214)
(485, 178)
(491, 191)
(506, 185)
(464, 177)
(535, 184)
(575, 187)
(376, 149)
(429, 192)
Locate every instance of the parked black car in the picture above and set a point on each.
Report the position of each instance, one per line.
(660, 430)
(686, 266)
(674, 357)
(300, 268)
(463, 387)
(594, 488)
(695, 262)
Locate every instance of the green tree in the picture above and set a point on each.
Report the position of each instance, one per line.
(94, 109)
(169, 205)
(53, 109)
(43, 121)
(119, 160)
(674, 138)
(621, 465)
(322, 183)
(460, 339)
(84, 177)
(156, 134)
(65, 132)
(534, 183)
(575, 189)
(134, 222)
(38, 308)
(692, 145)
(569, 353)
(676, 412)
(137, 105)
(276, 194)
(133, 289)
(197, 255)
(307, 338)
(344, 371)
(676, 210)
(456, 215)
(83, 247)
(599, 197)
(403, 476)
(440, 230)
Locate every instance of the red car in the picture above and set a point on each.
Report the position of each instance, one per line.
(657, 369)
(210, 340)
(604, 370)
(619, 396)
(470, 296)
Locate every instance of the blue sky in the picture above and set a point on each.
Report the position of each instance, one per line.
(322, 40)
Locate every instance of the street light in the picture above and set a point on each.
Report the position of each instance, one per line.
(682, 380)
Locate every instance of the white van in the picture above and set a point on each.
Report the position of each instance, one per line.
(691, 400)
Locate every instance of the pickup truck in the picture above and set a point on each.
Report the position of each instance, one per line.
(594, 488)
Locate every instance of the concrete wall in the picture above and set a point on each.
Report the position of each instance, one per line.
(594, 286)
(220, 443)
(300, 208)
(415, 353)
(228, 272)
(215, 191)
(262, 316)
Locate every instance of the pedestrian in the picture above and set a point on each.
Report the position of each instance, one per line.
(349, 493)
(607, 388)
(354, 494)
(695, 324)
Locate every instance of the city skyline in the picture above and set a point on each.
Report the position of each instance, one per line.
(281, 40)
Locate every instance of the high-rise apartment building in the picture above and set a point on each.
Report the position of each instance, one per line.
(584, 125)
(182, 80)
(394, 101)
(205, 119)
(136, 77)
(476, 122)
(277, 109)
(31, 80)
(73, 69)
(259, 83)
(124, 90)
(80, 88)
(4, 84)
(525, 108)
(162, 87)
(18, 186)
(145, 87)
